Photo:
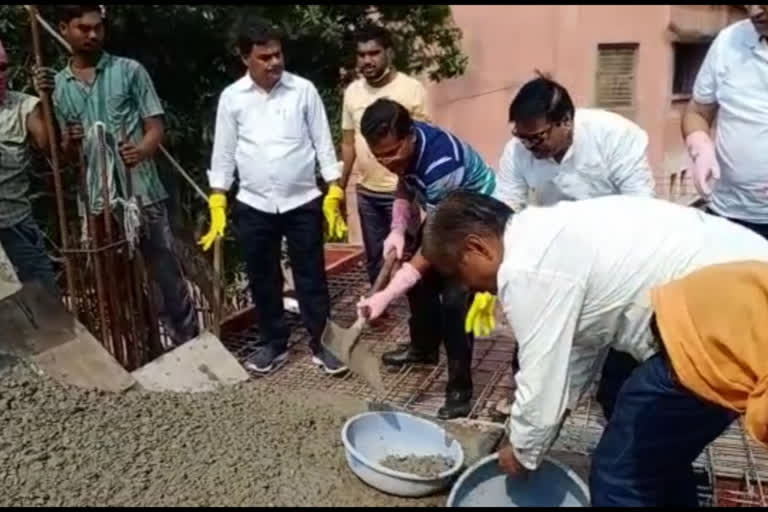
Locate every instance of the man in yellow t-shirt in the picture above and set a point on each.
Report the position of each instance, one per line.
(376, 185)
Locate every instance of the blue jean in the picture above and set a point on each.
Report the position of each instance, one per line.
(656, 431)
(23, 244)
(156, 243)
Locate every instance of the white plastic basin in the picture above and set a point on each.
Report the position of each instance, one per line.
(372, 436)
(553, 485)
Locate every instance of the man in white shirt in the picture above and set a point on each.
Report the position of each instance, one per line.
(570, 292)
(272, 127)
(562, 153)
(732, 85)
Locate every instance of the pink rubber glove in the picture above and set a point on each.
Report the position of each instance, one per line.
(705, 166)
(403, 280)
(395, 241)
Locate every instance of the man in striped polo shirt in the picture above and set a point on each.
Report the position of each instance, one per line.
(99, 87)
(430, 163)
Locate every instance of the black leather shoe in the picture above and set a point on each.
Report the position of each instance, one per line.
(407, 355)
(457, 405)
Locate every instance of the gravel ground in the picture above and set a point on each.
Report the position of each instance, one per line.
(245, 445)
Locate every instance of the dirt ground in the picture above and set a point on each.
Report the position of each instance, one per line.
(245, 445)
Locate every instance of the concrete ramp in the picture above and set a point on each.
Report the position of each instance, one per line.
(35, 326)
(9, 282)
(201, 364)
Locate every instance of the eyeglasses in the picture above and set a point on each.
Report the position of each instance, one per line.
(395, 153)
(531, 140)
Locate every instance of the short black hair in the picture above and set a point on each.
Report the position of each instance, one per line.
(460, 214)
(542, 97)
(373, 32)
(253, 31)
(67, 13)
(384, 117)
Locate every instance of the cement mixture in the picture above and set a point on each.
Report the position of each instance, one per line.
(421, 465)
(248, 444)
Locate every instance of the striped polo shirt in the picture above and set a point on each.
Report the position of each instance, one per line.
(443, 164)
(121, 96)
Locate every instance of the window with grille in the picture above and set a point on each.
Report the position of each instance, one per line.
(615, 83)
(688, 59)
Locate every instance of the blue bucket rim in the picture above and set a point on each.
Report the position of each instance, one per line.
(494, 456)
(458, 463)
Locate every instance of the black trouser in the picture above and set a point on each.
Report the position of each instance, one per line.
(260, 236)
(760, 229)
(438, 309)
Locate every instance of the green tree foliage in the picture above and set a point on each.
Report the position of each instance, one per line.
(189, 52)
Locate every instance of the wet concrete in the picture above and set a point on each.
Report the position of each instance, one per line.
(428, 466)
(248, 444)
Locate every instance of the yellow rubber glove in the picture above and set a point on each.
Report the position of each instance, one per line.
(480, 319)
(336, 227)
(217, 204)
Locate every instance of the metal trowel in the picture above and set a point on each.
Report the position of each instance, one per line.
(343, 343)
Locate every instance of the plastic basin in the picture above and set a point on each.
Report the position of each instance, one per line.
(553, 485)
(372, 436)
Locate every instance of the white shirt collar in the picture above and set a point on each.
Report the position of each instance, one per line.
(246, 83)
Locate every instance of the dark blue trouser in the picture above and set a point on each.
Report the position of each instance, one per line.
(617, 368)
(760, 229)
(375, 211)
(656, 431)
(23, 244)
(261, 235)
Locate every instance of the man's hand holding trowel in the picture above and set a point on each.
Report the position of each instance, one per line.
(342, 342)
(406, 276)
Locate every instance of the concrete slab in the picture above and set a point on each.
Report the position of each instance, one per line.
(201, 364)
(36, 327)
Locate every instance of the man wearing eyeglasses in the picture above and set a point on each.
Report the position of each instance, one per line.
(562, 153)
(430, 163)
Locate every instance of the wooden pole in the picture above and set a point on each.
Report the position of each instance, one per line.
(48, 116)
(217, 256)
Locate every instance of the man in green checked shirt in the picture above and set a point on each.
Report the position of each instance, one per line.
(96, 86)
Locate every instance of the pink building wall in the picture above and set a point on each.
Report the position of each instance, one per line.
(505, 43)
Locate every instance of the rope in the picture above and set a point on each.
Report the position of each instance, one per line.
(94, 250)
(102, 150)
(131, 222)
